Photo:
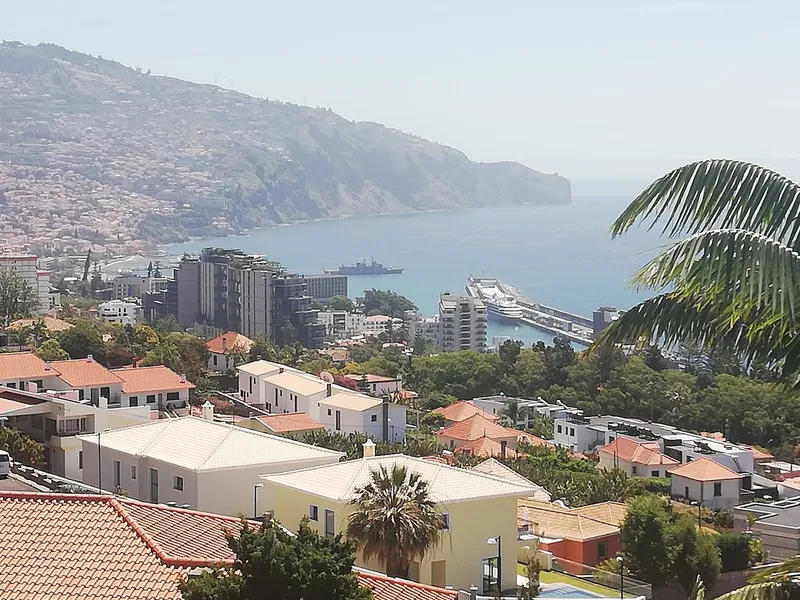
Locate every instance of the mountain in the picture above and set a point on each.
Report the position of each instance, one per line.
(92, 151)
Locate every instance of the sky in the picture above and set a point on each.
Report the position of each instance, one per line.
(601, 91)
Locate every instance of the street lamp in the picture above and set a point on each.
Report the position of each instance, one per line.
(621, 561)
(492, 541)
(255, 499)
(100, 463)
(699, 506)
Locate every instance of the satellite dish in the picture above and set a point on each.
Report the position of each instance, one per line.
(326, 377)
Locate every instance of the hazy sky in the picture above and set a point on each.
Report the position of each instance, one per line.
(593, 88)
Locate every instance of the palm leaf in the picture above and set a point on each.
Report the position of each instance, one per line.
(748, 273)
(718, 193)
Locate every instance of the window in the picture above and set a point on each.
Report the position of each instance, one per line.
(717, 488)
(374, 418)
(81, 395)
(13, 386)
(133, 471)
(446, 521)
(177, 483)
(329, 412)
(686, 491)
(173, 396)
(154, 486)
(105, 393)
(559, 429)
(611, 438)
(654, 474)
(215, 359)
(338, 420)
(688, 459)
(117, 467)
(151, 398)
(572, 431)
(313, 512)
(633, 469)
(602, 551)
(133, 401)
(37, 422)
(80, 459)
(330, 521)
(276, 396)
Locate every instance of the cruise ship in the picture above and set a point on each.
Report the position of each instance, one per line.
(499, 305)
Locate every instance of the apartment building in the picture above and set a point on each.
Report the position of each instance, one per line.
(462, 323)
(324, 287)
(119, 311)
(586, 434)
(419, 327)
(26, 268)
(279, 389)
(342, 323)
(136, 286)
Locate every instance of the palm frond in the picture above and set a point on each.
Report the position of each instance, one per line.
(718, 193)
(745, 271)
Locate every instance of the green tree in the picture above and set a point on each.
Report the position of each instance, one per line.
(51, 350)
(166, 325)
(263, 350)
(732, 283)
(734, 550)
(82, 340)
(341, 303)
(272, 564)
(21, 447)
(17, 298)
(164, 353)
(394, 519)
(380, 302)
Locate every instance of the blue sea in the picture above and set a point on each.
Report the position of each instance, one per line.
(558, 255)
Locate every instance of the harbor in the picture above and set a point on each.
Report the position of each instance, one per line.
(505, 303)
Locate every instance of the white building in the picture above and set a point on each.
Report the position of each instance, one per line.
(210, 466)
(225, 350)
(280, 389)
(55, 419)
(462, 323)
(585, 434)
(26, 267)
(378, 385)
(528, 409)
(135, 286)
(119, 311)
(707, 482)
(341, 323)
(377, 324)
(420, 327)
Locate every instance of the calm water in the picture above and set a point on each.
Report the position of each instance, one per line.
(558, 255)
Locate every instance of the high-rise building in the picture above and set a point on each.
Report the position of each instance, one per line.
(26, 268)
(462, 323)
(325, 287)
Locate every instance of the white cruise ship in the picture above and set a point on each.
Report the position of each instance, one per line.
(502, 308)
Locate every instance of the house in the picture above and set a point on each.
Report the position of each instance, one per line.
(460, 411)
(18, 370)
(90, 379)
(158, 387)
(776, 523)
(377, 324)
(119, 311)
(474, 428)
(635, 458)
(486, 447)
(280, 389)
(527, 408)
(706, 481)
(342, 323)
(210, 466)
(476, 507)
(116, 548)
(286, 423)
(225, 349)
(577, 536)
(51, 324)
(378, 385)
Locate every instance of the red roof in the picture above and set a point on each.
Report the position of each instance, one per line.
(485, 447)
(476, 427)
(224, 343)
(289, 422)
(137, 380)
(459, 411)
(23, 365)
(533, 440)
(705, 469)
(85, 372)
(390, 588)
(758, 454)
(644, 453)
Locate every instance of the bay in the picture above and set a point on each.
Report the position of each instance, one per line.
(562, 256)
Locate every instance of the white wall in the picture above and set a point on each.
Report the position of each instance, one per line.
(353, 421)
(730, 492)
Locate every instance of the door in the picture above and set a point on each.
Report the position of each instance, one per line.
(489, 574)
(154, 486)
(338, 420)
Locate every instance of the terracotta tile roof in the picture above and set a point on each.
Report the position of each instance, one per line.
(50, 323)
(475, 427)
(224, 343)
(136, 380)
(23, 365)
(85, 372)
(705, 469)
(645, 453)
(462, 410)
(289, 422)
(485, 447)
(553, 521)
(533, 440)
(605, 512)
(758, 454)
(384, 587)
(7, 405)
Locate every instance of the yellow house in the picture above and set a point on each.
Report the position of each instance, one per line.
(479, 508)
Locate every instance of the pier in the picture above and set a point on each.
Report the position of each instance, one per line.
(576, 328)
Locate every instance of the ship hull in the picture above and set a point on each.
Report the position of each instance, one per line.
(363, 272)
(499, 317)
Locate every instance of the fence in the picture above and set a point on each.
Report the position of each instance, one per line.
(607, 579)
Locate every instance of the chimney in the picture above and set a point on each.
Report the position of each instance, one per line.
(280, 370)
(369, 449)
(183, 377)
(330, 390)
(89, 358)
(208, 411)
(102, 402)
(503, 446)
(224, 344)
(32, 387)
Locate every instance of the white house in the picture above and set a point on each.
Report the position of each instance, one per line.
(55, 419)
(89, 379)
(18, 370)
(378, 385)
(224, 350)
(706, 481)
(635, 458)
(119, 311)
(158, 387)
(280, 389)
(210, 466)
(376, 324)
(357, 413)
(342, 323)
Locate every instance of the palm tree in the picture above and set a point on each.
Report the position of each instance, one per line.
(394, 519)
(780, 582)
(512, 411)
(733, 282)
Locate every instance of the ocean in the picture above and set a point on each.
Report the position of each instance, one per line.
(562, 256)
